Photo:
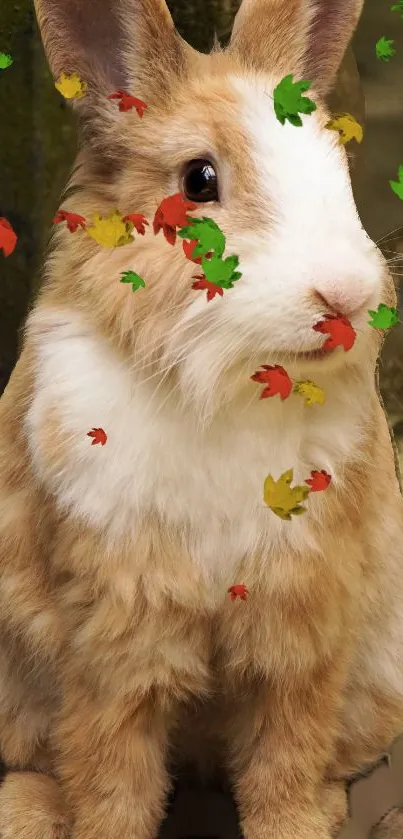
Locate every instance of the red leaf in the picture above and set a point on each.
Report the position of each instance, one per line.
(340, 331)
(171, 214)
(73, 220)
(99, 436)
(127, 102)
(138, 220)
(239, 590)
(318, 480)
(188, 248)
(276, 379)
(204, 285)
(8, 238)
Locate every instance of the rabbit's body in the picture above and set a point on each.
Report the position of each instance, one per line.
(115, 561)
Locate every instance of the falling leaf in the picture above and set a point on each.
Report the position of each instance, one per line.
(276, 379)
(134, 279)
(239, 590)
(289, 101)
(138, 221)
(5, 60)
(384, 317)
(384, 49)
(348, 128)
(172, 214)
(8, 238)
(204, 285)
(283, 499)
(127, 102)
(340, 331)
(111, 231)
(398, 7)
(397, 186)
(313, 393)
(318, 480)
(99, 436)
(188, 250)
(221, 271)
(208, 235)
(71, 86)
(73, 220)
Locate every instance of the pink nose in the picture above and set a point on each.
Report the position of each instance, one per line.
(343, 299)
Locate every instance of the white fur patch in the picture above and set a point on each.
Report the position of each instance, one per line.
(314, 241)
(209, 483)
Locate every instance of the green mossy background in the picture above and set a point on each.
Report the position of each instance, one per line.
(38, 144)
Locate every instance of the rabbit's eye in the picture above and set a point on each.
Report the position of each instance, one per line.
(199, 181)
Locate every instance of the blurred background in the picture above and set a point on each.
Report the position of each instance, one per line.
(38, 143)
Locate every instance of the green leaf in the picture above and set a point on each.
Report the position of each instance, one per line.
(5, 60)
(133, 278)
(289, 102)
(208, 234)
(384, 49)
(221, 271)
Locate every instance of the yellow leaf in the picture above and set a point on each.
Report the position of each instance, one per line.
(312, 393)
(283, 499)
(71, 86)
(348, 128)
(111, 231)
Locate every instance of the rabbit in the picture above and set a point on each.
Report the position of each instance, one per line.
(120, 645)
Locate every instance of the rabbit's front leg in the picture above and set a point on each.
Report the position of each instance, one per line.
(279, 741)
(111, 765)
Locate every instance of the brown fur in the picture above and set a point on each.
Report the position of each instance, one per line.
(103, 661)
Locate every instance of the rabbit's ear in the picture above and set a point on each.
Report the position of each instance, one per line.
(302, 37)
(110, 44)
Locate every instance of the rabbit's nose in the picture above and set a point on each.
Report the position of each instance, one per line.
(343, 299)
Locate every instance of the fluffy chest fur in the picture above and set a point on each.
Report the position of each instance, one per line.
(206, 483)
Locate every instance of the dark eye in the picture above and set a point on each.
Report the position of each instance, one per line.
(199, 181)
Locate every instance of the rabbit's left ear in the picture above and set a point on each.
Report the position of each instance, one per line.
(302, 37)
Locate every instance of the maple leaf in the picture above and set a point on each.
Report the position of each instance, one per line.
(134, 279)
(340, 331)
(283, 499)
(8, 237)
(99, 436)
(398, 7)
(111, 231)
(347, 126)
(397, 186)
(172, 213)
(5, 60)
(221, 271)
(384, 317)
(318, 480)
(384, 49)
(71, 86)
(73, 220)
(188, 249)
(138, 221)
(127, 102)
(208, 235)
(276, 379)
(239, 590)
(313, 393)
(204, 285)
(289, 101)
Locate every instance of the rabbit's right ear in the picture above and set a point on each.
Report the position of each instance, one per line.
(111, 45)
(307, 38)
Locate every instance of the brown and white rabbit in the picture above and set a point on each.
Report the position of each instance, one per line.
(115, 560)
